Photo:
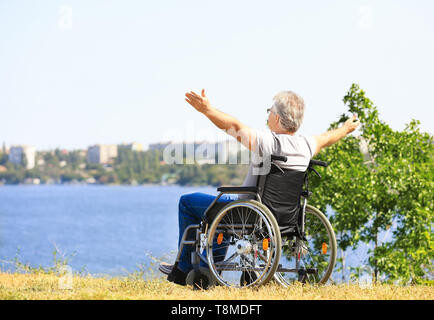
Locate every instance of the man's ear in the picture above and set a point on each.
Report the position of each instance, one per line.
(277, 120)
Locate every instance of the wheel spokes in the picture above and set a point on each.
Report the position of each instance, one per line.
(307, 261)
(248, 228)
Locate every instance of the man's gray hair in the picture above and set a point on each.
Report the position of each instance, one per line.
(290, 108)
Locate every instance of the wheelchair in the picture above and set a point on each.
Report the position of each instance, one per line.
(276, 236)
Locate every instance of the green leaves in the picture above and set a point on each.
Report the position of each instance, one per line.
(379, 181)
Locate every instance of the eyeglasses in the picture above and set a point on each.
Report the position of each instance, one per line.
(270, 110)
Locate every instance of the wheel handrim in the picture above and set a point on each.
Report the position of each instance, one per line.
(310, 261)
(247, 249)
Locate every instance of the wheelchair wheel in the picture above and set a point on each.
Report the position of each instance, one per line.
(311, 261)
(200, 279)
(244, 245)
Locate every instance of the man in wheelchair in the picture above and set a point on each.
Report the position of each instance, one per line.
(284, 119)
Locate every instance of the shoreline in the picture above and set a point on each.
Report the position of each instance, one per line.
(108, 184)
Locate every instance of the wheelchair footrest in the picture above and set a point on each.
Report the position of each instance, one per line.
(308, 271)
(233, 266)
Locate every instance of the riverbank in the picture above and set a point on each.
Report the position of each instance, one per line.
(42, 286)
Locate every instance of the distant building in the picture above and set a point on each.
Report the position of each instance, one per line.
(158, 146)
(134, 146)
(40, 162)
(101, 154)
(17, 154)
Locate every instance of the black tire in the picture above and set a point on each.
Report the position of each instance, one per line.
(200, 279)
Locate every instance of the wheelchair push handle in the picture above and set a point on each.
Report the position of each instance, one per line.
(278, 158)
(318, 163)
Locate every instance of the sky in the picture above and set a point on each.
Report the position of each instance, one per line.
(77, 73)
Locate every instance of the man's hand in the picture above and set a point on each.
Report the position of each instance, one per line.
(330, 137)
(351, 124)
(199, 102)
(244, 134)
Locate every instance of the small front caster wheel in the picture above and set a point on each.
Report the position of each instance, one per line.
(200, 279)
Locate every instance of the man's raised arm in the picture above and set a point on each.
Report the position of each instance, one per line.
(229, 124)
(330, 137)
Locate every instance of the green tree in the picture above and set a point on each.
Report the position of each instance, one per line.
(380, 183)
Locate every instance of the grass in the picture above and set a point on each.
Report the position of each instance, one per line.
(51, 286)
(59, 283)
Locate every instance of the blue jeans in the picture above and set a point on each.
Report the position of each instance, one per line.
(191, 209)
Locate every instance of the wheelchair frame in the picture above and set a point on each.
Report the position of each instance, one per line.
(201, 229)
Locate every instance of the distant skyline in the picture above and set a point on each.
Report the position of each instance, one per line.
(78, 73)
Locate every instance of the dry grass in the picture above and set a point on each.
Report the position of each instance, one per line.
(46, 286)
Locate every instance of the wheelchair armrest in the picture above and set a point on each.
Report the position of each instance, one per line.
(238, 189)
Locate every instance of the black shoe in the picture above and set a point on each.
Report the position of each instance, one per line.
(177, 276)
(165, 268)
